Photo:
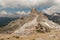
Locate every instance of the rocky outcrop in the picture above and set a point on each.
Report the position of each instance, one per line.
(12, 26)
(35, 22)
(40, 24)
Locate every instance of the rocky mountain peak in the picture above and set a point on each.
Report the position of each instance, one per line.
(34, 11)
(35, 21)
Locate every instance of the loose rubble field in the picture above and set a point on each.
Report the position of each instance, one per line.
(35, 27)
(53, 35)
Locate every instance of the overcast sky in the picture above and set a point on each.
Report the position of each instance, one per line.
(19, 5)
(14, 6)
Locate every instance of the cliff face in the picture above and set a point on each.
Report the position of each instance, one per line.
(38, 23)
(13, 25)
(27, 25)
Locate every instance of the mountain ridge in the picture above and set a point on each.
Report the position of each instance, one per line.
(35, 21)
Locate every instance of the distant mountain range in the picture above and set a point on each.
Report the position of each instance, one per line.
(55, 17)
(6, 20)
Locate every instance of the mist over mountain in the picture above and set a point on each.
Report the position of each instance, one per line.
(6, 18)
(29, 19)
(53, 13)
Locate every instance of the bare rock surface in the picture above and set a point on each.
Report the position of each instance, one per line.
(36, 26)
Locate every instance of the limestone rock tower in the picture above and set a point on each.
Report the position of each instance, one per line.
(34, 11)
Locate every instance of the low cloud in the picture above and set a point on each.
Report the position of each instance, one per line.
(54, 8)
(50, 10)
(22, 13)
(57, 2)
(25, 3)
(12, 15)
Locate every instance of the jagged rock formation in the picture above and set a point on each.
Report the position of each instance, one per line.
(40, 22)
(12, 26)
(34, 11)
(28, 25)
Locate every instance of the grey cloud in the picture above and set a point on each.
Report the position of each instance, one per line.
(25, 3)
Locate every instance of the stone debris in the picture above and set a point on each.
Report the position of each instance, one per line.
(40, 23)
(35, 22)
(39, 39)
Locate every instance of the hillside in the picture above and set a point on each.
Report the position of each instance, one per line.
(36, 25)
